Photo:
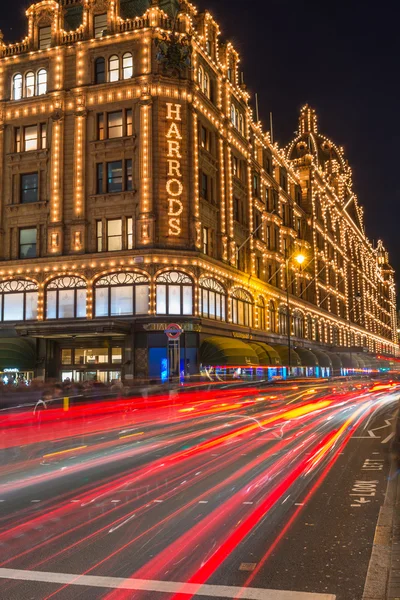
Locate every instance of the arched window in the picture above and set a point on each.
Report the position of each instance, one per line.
(242, 308)
(236, 118)
(272, 316)
(241, 124)
(120, 294)
(174, 294)
(212, 299)
(100, 70)
(323, 340)
(298, 324)
(41, 82)
(29, 84)
(206, 85)
(232, 114)
(283, 320)
(113, 68)
(261, 313)
(335, 336)
(309, 327)
(18, 300)
(200, 77)
(317, 335)
(66, 298)
(127, 65)
(17, 87)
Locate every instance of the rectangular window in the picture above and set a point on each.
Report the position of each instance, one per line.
(99, 178)
(30, 138)
(205, 240)
(121, 300)
(268, 240)
(116, 355)
(161, 299)
(66, 357)
(129, 122)
(29, 188)
(174, 300)
(128, 175)
(27, 243)
(99, 236)
(115, 124)
(31, 305)
(13, 307)
(17, 139)
(81, 304)
(44, 38)
(142, 295)
(236, 209)
(43, 136)
(101, 302)
(187, 300)
(129, 233)
(51, 304)
(203, 137)
(114, 235)
(100, 25)
(204, 186)
(66, 304)
(235, 166)
(114, 176)
(100, 126)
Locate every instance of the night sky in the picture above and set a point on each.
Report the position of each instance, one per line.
(340, 57)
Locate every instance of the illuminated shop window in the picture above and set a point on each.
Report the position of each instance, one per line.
(261, 312)
(242, 308)
(17, 87)
(174, 294)
(113, 68)
(41, 82)
(66, 298)
(212, 299)
(30, 85)
(122, 294)
(18, 300)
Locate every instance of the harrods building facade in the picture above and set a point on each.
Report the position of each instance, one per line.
(138, 190)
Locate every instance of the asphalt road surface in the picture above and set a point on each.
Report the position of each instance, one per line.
(259, 494)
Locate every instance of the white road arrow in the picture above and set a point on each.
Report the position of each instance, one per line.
(362, 500)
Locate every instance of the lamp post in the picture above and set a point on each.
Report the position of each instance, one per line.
(299, 258)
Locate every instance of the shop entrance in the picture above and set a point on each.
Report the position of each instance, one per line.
(102, 363)
(97, 375)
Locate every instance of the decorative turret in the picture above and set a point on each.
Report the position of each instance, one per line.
(308, 121)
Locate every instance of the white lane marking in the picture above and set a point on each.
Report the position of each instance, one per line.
(159, 501)
(216, 591)
(299, 504)
(389, 437)
(34, 501)
(203, 501)
(247, 502)
(115, 501)
(121, 524)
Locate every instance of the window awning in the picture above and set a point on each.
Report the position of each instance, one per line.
(335, 360)
(348, 360)
(308, 358)
(217, 351)
(16, 353)
(266, 354)
(323, 359)
(283, 352)
(361, 361)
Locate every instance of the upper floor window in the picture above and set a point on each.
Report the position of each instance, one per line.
(242, 308)
(27, 242)
(298, 324)
(44, 37)
(113, 68)
(18, 300)
(34, 137)
(119, 177)
(127, 65)
(99, 25)
(115, 124)
(17, 87)
(32, 84)
(272, 316)
(66, 298)
(29, 188)
(212, 299)
(261, 312)
(114, 234)
(120, 294)
(100, 70)
(174, 292)
(237, 119)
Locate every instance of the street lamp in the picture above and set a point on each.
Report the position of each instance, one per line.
(300, 259)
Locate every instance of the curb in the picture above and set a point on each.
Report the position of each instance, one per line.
(383, 576)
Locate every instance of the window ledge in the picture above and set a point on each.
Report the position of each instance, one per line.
(35, 155)
(26, 206)
(126, 141)
(106, 197)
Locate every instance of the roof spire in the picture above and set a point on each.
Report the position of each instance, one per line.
(308, 122)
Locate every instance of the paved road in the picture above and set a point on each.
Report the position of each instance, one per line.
(217, 494)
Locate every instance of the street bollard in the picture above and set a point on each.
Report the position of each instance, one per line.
(66, 404)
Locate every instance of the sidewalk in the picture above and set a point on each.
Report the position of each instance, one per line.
(383, 577)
